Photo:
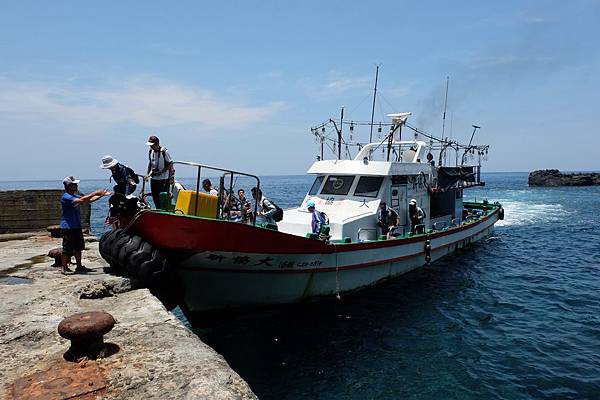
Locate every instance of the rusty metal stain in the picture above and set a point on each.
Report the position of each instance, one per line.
(81, 381)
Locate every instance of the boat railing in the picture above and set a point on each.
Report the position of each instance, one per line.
(222, 194)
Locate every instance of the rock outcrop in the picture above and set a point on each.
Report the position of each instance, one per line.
(553, 177)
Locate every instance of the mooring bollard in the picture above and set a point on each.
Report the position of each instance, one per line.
(86, 332)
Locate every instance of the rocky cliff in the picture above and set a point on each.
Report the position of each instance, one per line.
(553, 177)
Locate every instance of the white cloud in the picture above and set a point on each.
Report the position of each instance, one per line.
(335, 85)
(143, 102)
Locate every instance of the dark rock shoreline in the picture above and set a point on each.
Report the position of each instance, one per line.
(553, 177)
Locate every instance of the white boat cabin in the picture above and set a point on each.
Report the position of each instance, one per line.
(350, 192)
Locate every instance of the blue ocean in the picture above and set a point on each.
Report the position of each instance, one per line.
(514, 317)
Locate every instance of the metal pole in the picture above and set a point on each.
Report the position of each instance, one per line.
(373, 109)
(197, 191)
(340, 135)
(230, 194)
(256, 201)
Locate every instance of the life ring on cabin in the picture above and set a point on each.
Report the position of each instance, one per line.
(501, 213)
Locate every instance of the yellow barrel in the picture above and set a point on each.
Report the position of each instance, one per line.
(207, 203)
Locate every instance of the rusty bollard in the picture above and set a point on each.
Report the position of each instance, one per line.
(86, 332)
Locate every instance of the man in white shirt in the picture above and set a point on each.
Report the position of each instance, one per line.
(160, 169)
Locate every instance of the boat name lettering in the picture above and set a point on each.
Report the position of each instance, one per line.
(329, 201)
(241, 260)
(315, 263)
(216, 257)
(286, 264)
(265, 261)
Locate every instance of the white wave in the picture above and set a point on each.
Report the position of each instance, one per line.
(524, 213)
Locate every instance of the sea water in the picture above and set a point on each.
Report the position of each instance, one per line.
(515, 317)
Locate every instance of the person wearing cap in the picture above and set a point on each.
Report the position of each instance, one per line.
(123, 176)
(160, 169)
(70, 222)
(317, 220)
(416, 216)
(387, 219)
(208, 187)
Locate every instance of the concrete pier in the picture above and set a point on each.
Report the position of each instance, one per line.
(149, 353)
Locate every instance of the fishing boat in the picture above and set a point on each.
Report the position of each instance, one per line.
(192, 254)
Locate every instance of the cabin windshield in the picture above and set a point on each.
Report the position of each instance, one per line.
(337, 184)
(316, 185)
(368, 186)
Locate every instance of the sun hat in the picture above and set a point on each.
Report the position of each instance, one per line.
(152, 140)
(108, 162)
(70, 179)
(310, 204)
(413, 202)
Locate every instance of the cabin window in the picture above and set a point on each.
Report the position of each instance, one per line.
(399, 180)
(316, 185)
(338, 184)
(368, 186)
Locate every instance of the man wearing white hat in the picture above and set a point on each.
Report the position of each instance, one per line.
(124, 177)
(70, 222)
(417, 216)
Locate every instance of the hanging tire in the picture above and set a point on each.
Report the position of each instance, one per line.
(143, 253)
(148, 272)
(106, 242)
(120, 239)
(128, 248)
(135, 258)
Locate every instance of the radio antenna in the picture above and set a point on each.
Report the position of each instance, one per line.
(374, 98)
(444, 117)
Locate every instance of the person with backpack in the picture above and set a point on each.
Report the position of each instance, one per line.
(125, 178)
(268, 212)
(318, 218)
(160, 169)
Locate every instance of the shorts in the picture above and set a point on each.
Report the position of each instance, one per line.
(72, 240)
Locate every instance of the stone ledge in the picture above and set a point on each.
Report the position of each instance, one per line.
(158, 357)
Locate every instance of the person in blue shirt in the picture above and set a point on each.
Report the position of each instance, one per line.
(121, 174)
(70, 222)
(317, 218)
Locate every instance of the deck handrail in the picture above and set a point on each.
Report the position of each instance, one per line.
(226, 171)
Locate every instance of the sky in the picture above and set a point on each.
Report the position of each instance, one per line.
(239, 84)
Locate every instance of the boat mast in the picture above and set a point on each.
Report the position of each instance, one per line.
(444, 117)
(339, 132)
(374, 99)
(462, 161)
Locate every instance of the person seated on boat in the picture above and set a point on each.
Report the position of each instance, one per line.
(265, 209)
(245, 206)
(208, 187)
(416, 216)
(232, 210)
(124, 177)
(388, 220)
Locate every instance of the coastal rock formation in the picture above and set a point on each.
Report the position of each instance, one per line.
(553, 177)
